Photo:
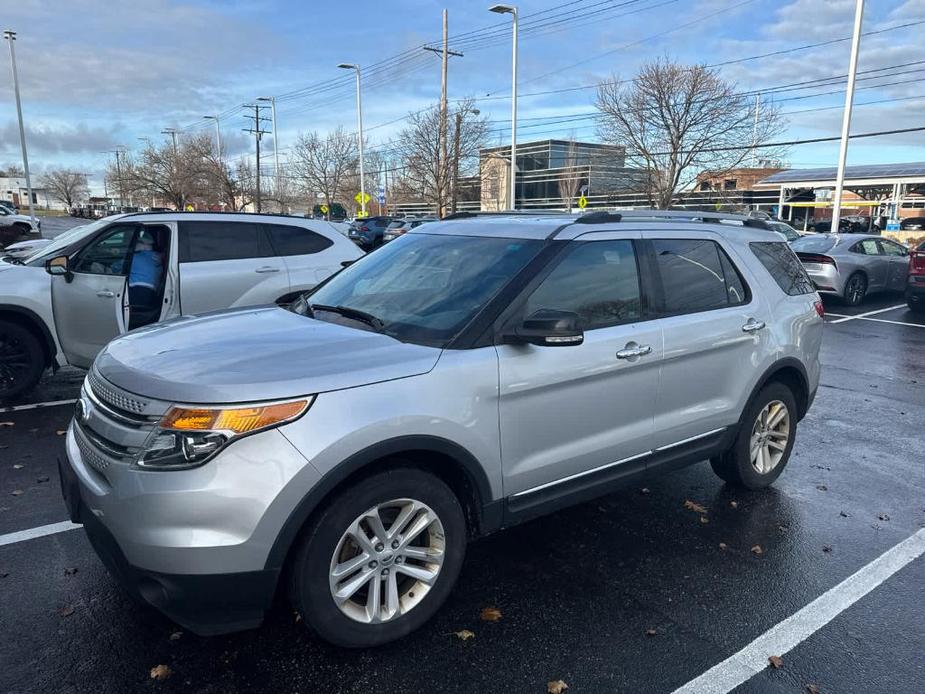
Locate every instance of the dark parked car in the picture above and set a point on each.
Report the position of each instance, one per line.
(912, 224)
(915, 286)
(847, 225)
(367, 233)
(403, 226)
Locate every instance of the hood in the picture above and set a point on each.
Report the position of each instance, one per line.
(252, 354)
(34, 243)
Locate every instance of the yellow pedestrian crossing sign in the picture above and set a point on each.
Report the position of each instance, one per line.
(362, 198)
(582, 202)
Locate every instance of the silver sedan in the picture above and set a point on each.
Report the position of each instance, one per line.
(853, 265)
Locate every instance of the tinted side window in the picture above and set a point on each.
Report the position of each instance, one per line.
(107, 255)
(694, 278)
(869, 247)
(288, 239)
(598, 280)
(203, 241)
(890, 248)
(784, 266)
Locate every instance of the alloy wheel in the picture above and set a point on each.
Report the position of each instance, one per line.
(855, 290)
(770, 435)
(387, 560)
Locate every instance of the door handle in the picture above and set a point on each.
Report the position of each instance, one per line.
(631, 352)
(267, 268)
(105, 294)
(753, 326)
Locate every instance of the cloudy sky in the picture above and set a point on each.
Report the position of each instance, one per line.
(95, 75)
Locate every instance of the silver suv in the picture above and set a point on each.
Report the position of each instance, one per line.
(468, 376)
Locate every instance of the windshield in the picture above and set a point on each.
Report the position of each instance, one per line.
(425, 288)
(789, 232)
(63, 241)
(813, 244)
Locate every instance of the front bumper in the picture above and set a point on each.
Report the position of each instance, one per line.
(205, 604)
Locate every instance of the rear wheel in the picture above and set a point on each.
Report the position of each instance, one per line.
(762, 447)
(855, 289)
(916, 306)
(21, 360)
(380, 559)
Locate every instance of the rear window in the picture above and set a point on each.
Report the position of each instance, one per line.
(204, 241)
(289, 239)
(783, 265)
(813, 244)
(696, 275)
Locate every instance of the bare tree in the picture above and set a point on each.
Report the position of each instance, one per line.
(175, 174)
(571, 177)
(676, 120)
(11, 171)
(323, 165)
(419, 147)
(65, 186)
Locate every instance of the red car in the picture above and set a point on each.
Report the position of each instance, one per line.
(915, 287)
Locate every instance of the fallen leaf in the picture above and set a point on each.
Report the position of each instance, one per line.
(651, 632)
(812, 689)
(61, 432)
(464, 635)
(827, 548)
(757, 550)
(822, 488)
(697, 508)
(644, 490)
(43, 478)
(723, 546)
(490, 614)
(843, 515)
(297, 616)
(704, 519)
(7, 424)
(176, 636)
(4, 574)
(18, 466)
(17, 492)
(66, 611)
(734, 504)
(160, 672)
(556, 687)
(70, 571)
(776, 662)
(883, 517)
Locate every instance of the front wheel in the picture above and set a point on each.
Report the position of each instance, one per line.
(21, 360)
(855, 289)
(380, 559)
(762, 447)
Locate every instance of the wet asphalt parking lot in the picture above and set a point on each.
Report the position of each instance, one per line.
(633, 592)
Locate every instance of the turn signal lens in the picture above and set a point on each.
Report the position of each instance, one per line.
(239, 420)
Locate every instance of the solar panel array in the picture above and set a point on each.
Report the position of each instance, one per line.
(863, 171)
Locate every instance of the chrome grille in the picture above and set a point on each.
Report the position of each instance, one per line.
(112, 398)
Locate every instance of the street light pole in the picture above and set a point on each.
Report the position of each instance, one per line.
(349, 66)
(511, 10)
(279, 190)
(218, 135)
(846, 120)
(11, 37)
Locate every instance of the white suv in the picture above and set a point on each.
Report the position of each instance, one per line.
(64, 303)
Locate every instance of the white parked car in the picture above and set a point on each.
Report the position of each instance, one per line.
(65, 302)
(17, 227)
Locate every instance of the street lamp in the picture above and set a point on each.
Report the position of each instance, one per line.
(218, 135)
(511, 10)
(350, 66)
(456, 137)
(279, 193)
(11, 37)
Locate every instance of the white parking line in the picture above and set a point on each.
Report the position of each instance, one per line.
(41, 531)
(894, 322)
(37, 405)
(869, 313)
(785, 636)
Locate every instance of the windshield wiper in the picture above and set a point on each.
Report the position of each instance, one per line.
(353, 313)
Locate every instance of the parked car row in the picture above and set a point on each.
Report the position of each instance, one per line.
(372, 232)
(355, 440)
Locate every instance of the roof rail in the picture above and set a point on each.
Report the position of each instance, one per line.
(701, 216)
(252, 214)
(600, 217)
(502, 213)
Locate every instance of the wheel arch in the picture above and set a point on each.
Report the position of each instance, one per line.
(31, 321)
(791, 373)
(449, 461)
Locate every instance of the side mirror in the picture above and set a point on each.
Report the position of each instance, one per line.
(549, 328)
(58, 266)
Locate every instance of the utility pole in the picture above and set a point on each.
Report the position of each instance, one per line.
(257, 132)
(846, 120)
(11, 37)
(117, 152)
(279, 181)
(442, 164)
(755, 131)
(176, 164)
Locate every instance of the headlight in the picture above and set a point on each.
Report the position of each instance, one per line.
(188, 436)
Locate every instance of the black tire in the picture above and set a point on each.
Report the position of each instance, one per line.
(309, 586)
(854, 295)
(916, 306)
(22, 360)
(735, 465)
